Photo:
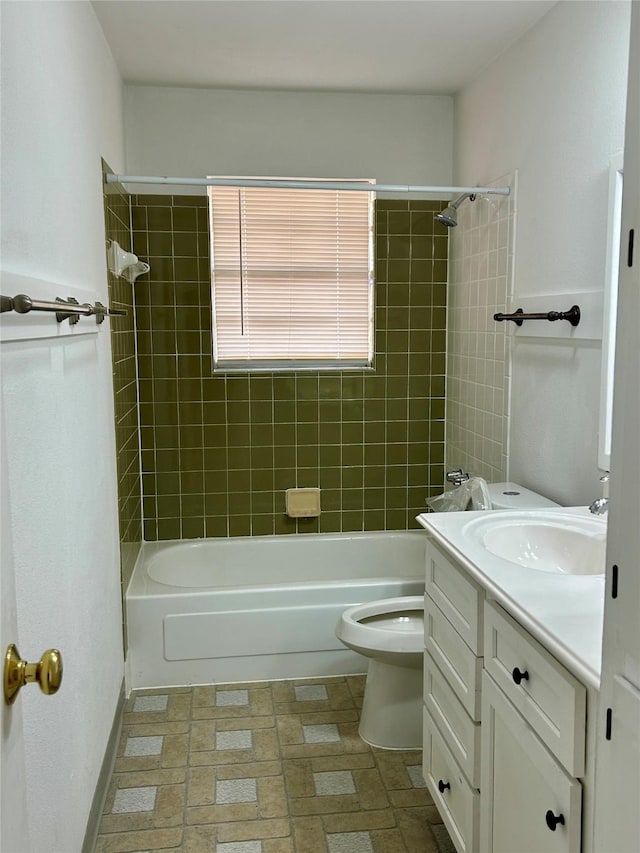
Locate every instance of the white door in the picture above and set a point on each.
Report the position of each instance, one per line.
(13, 789)
(617, 822)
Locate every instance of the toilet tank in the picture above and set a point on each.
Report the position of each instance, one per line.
(514, 496)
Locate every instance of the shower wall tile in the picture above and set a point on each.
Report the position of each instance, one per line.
(218, 452)
(125, 390)
(478, 367)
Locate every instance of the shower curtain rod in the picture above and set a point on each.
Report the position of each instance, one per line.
(311, 184)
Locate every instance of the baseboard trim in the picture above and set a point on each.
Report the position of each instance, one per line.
(102, 786)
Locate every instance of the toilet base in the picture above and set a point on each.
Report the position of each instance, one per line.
(391, 715)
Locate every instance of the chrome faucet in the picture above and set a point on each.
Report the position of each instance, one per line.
(601, 505)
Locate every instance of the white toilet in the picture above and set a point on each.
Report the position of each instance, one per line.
(390, 632)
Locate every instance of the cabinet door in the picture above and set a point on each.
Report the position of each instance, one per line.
(529, 803)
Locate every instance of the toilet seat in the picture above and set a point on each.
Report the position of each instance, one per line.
(375, 627)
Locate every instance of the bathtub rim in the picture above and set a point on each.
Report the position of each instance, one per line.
(141, 585)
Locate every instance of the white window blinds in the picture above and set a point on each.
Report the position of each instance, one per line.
(292, 278)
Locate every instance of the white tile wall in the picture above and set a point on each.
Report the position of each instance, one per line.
(481, 251)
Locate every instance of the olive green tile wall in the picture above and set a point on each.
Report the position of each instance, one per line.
(123, 340)
(218, 451)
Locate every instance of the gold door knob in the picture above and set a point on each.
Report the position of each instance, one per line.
(17, 672)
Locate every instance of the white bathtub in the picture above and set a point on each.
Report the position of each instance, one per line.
(265, 607)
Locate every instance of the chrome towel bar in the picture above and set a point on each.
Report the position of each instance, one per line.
(518, 317)
(64, 309)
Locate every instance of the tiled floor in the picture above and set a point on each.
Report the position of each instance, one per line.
(265, 767)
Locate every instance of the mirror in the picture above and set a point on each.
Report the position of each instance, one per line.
(610, 310)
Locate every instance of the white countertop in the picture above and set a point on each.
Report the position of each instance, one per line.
(564, 612)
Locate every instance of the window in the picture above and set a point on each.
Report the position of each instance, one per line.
(292, 278)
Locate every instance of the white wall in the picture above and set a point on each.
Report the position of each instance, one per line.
(196, 132)
(553, 107)
(61, 111)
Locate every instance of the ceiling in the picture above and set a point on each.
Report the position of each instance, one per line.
(392, 46)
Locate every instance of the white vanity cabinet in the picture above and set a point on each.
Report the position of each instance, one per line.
(504, 723)
(533, 744)
(452, 696)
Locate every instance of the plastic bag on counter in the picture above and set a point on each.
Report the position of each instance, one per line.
(472, 494)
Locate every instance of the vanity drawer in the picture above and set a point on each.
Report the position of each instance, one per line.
(460, 667)
(551, 699)
(459, 598)
(457, 803)
(460, 732)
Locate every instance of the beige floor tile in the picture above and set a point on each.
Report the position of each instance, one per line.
(367, 791)
(291, 697)
(139, 779)
(298, 775)
(393, 767)
(324, 805)
(416, 830)
(390, 841)
(443, 840)
(203, 732)
(222, 814)
(252, 830)
(293, 745)
(127, 842)
(169, 810)
(356, 684)
(320, 718)
(272, 799)
(410, 798)
(178, 708)
(254, 769)
(198, 839)
(174, 753)
(352, 761)
(259, 703)
(201, 786)
(359, 821)
(289, 730)
(265, 748)
(371, 791)
(132, 822)
(278, 845)
(292, 749)
(204, 694)
(309, 835)
(151, 729)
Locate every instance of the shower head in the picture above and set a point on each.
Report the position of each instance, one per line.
(449, 216)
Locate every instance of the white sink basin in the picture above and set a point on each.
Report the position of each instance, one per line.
(564, 544)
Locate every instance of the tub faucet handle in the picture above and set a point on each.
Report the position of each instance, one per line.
(457, 477)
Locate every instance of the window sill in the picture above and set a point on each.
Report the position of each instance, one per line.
(293, 367)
